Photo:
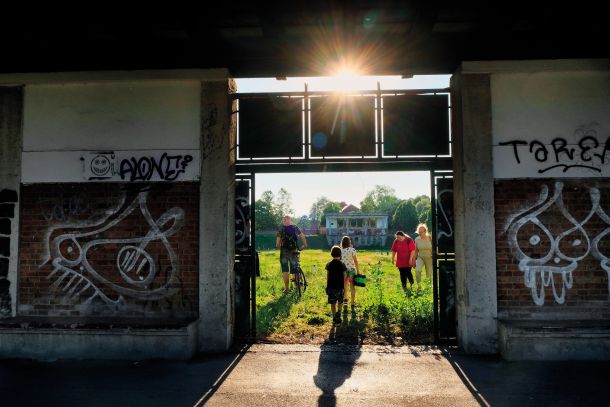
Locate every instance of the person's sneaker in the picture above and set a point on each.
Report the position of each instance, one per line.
(337, 318)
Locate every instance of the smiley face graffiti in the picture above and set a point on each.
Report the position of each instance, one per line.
(100, 166)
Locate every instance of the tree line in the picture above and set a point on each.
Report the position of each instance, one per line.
(403, 214)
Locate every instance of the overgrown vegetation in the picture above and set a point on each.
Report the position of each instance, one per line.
(383, 313)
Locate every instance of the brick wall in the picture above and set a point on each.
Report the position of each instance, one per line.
(109, 250)
(553, 234)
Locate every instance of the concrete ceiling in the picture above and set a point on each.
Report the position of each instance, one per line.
(298, 38)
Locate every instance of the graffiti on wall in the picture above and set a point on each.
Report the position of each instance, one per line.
(588, 151)
(444, 219)
(142, 166)
(8, 199)
(548, 258)
(166, 167)
(62, 209)
(77, 277)
(242, 215)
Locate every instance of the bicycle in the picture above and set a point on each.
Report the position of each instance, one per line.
(299, 279)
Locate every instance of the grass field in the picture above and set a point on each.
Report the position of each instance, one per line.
(383, 314)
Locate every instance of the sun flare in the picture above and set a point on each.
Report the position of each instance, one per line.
(348, 79)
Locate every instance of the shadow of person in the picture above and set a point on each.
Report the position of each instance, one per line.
(335, 366)
(352, 328)
(269, 315)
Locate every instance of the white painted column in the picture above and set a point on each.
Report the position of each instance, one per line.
(476, 299)
(216, 222)
(11, 113)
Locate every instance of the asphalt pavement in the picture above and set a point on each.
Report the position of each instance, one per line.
(307, 375)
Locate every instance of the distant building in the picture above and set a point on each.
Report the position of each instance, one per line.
(364, 228)
(349, 208)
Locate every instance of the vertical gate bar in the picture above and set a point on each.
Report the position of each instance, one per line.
(253, 254)
(435, 298)
(378, 146)
(306, 116)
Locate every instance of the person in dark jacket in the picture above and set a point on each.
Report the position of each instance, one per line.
(336, 273)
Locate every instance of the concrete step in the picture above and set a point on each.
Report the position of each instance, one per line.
(554, 340)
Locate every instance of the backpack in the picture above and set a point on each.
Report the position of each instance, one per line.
(288, 241)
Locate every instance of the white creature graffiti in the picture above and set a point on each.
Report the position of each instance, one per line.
(446, 222)
(75, 277)
(242, 231)
(555, 268)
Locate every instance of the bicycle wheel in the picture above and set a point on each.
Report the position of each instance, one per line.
(303, 280)
(297, 281)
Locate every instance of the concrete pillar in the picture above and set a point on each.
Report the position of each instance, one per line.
(475, 249)
(11, 112)
(216, 216)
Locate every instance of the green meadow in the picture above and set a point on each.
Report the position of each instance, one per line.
(384, 314)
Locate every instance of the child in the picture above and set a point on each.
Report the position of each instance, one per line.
(348, 257)
(335, 276)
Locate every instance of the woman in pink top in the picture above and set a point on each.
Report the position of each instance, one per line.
(403, 255)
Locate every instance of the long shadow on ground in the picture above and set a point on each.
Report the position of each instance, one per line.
(113, 383)
(271, 315)
(336, 364)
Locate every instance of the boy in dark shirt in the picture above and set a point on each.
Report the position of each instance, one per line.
(335, 276)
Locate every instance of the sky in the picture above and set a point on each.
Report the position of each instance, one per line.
(341, 82)
(350, 187)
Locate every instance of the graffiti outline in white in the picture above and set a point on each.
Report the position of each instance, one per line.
(135, 266)
(99, 219)
(604, 261)
(439, 205)
(242, 229)
(535, 269)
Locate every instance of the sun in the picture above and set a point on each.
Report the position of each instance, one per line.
(347, 78)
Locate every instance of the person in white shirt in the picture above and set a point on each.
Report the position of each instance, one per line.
(348, 257)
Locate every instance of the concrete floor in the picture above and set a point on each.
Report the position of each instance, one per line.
(304, 375)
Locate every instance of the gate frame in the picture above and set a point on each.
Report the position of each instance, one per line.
(249, 167)
(434, 166)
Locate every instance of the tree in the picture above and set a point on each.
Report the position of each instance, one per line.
(421, 202)
(265, 212)
(405, 217)
(303, 222)
(270, 209)
(381, 199)
(284, 203)
(424, 212)
(331, 207)
(317, 209)
(425, 216)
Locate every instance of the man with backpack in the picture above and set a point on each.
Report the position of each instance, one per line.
(287, 241)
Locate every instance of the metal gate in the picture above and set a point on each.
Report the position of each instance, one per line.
(246, 259)
(388, 130)
(443, 256)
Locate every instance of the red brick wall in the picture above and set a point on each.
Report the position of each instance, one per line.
(533, 218)
(109, 250)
